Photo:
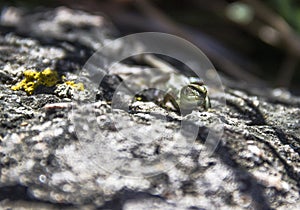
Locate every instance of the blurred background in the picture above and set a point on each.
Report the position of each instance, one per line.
(256, 42)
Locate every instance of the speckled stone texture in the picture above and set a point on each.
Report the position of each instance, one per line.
(45, 164)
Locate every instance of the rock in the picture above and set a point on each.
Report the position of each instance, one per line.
(88, 156)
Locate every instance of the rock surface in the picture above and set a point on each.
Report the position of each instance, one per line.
(48, 161)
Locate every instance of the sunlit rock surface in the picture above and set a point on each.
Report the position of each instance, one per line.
(58, 154)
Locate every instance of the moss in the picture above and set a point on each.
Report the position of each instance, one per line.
(47, 77)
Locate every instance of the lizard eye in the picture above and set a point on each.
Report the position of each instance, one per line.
(186, 91)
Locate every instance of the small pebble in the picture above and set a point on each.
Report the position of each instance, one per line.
(24, 124)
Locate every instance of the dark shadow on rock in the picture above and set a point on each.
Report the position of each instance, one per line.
(125, 195)
(16, 192)
(21, 193)
(76, 54)
(292, 174)
(255, 115)
(248, 184)
(288, 139)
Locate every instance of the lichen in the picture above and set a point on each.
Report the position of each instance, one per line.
(77, 86)
(47, 78)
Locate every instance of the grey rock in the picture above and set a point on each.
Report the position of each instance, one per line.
(56, 153)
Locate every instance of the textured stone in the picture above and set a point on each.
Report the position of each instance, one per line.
(45, 157)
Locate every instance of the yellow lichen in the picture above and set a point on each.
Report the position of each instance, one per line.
(47, 77)
(30, 83)
(78, 86)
